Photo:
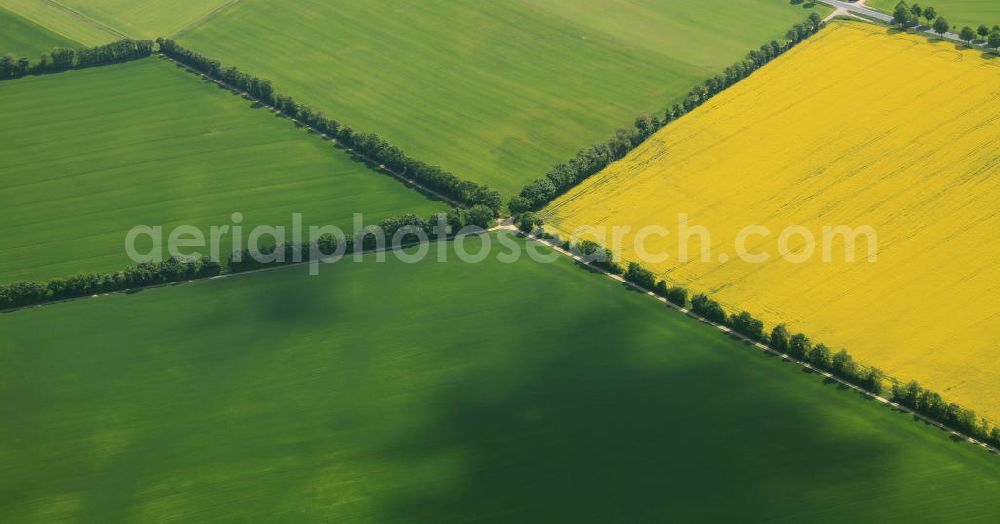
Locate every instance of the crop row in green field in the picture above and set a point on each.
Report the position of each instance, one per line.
(147, 18)
(57, 18)
(442, 392)
(23, 38)
(496, 92)
(89, 154)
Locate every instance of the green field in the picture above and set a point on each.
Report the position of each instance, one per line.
(957, 12)
(60, 20)
(22, 37)
(442, 392)
(496, 92)
(147, 18)
(89, 154)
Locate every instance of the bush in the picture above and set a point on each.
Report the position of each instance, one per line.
(677, 296)
(708, 308)
(640, 276)
(529, 221)
(748, 326)
(597, 255)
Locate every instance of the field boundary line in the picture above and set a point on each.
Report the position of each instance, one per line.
(205, 18)
(76, 14)
(277, 267)
(758, 345)
(324, 136)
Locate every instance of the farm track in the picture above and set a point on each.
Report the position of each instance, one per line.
(207, 17)
(76, 14)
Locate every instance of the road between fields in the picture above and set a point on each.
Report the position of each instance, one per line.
(859, 8)
(506, 225)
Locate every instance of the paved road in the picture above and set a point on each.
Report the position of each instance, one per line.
(852, 7)
(863, 10)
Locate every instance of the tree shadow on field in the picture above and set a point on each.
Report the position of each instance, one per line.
(595, 431)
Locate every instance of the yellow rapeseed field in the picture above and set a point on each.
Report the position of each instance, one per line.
(855, 127)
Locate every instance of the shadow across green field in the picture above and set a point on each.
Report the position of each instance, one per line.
(590, 435)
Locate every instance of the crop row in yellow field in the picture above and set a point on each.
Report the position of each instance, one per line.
(855, 127)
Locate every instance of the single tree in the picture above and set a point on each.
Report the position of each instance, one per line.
(816, 21)
(479, 215)
(916, 10)
(873, 380)
(820, 356)
(677, 296)
(779, 338)
(941, 26)
(930, 14)
(983, 31)
(902, 16)
(527, 222)
(799, 345)
(7, 65)
(843, 364)
(967, 34)
(23, 66)
(993, 41)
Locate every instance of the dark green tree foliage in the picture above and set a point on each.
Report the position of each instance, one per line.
(941, 25)
(929, 14)
(588, 161)
(21, 294)
(993, 41)
(820, 356)
(61, 59)
(843, 365)
(872, 380)
(529, 221)
(903, 15)
(640, 276)
(365, 240)
(708, 308)
(967, 34)
(933, 406)
(748, 326)
(799, 346)
(480, 216)
(982, 31)
(779, 340)
(370, 145)
(677, 296)
(597, 255)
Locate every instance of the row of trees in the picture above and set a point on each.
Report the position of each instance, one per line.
(62, 59)
(369, 145)
(21, 294)
(933, 406)
(909, 15)
(367, 239)
(592, 159)
(799, 346)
